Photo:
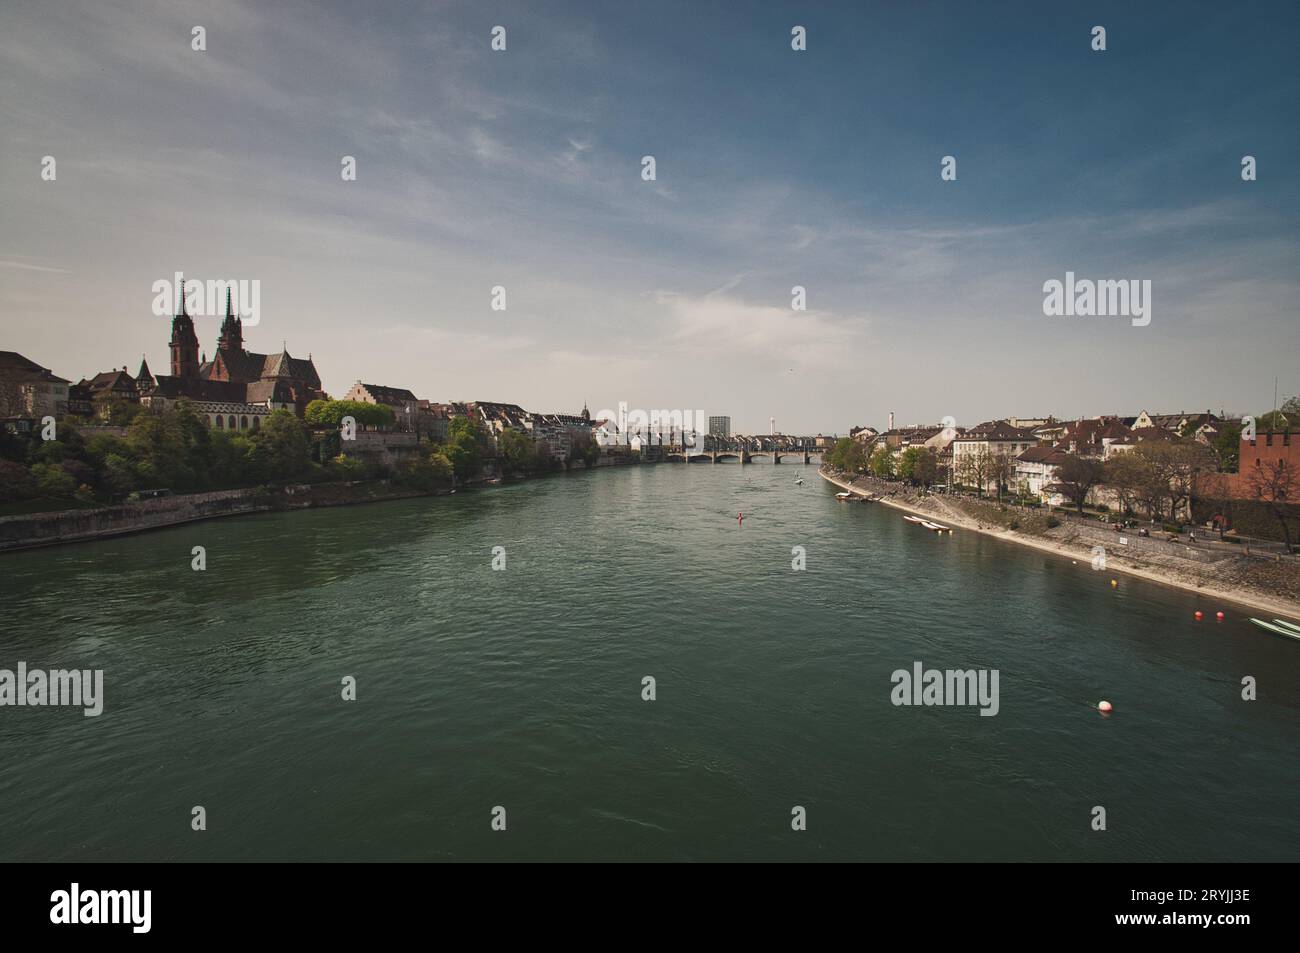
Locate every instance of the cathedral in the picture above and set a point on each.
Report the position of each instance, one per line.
(238, 388)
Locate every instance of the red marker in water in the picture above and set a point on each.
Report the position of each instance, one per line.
(740, 519)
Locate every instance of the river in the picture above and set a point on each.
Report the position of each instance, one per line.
(522, 688)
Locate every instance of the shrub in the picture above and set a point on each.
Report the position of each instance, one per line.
(1053, 522)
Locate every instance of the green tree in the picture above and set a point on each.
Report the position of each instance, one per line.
(157, 440)
(882, 463)
(907, 462)
(333, 412)
(281, 450)
(1227, 446)
(465, 446)
(518, 451)
(50, 479)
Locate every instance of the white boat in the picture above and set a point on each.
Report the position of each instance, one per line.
(1276, 628)
(1287, 625)
(843, 496)
(940, 527)
(914, 519)
(799, 482)
(928, 525)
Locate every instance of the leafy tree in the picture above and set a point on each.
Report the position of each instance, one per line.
(583, 446)
(465, 446)
(429, 471)
(50, 479)
(1227, 446)
(333, 412)
(518, 451)
(882, 463)
(15, 481)
(157, 441)
(280, 449)
(926, 467)
(343, 467)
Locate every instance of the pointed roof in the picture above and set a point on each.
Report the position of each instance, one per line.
(144, 370)
(279, 366)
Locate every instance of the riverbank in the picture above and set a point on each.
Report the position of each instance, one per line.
(55, 528)
(1272, 587)
(86, 524)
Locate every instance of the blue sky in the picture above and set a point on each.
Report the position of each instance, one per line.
(775, 169)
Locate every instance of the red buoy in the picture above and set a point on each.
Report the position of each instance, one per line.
(1219, 616)
(1198, 615)
(1104, 706)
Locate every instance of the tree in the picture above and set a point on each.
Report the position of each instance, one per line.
(50, 479)
(1125, 474)
(518, 451)
(156, 440)
(430, 471)
(907, 463)
(15, 481)
(1077, 476)
(583, 446)
(1276, 484)
(333, 412)
(465, 446)
(1000, 470)
(1227, 446)
(882, 463)
(849, 455)
(978, 468)
(280, 450)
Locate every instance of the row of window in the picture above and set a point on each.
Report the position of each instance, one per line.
(230, 422)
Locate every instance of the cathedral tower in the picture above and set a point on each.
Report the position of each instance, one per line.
(184, 343)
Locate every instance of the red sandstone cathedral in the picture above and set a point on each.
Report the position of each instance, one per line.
(237, 388)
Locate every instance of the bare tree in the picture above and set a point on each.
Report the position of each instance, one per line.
(1276, 484)
(1077, 476)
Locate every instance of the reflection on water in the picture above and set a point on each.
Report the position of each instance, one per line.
(523, 688)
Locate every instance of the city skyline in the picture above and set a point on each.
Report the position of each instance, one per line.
(522, 168)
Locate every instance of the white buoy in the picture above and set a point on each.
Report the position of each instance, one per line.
(1104, 706)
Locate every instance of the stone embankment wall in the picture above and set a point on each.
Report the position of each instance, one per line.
(69, 526)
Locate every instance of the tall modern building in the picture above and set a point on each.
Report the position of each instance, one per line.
(720, 427)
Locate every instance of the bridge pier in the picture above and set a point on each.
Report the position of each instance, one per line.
(776, 457)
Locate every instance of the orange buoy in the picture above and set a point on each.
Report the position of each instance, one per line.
(1198, 615)
(1219, 616)
(1104, 707)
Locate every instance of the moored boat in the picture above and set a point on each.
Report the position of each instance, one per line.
(1276, 628)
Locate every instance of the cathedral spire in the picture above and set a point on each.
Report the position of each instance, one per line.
(184, 344)
(232, 329)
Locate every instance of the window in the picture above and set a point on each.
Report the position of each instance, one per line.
(218, 421)
(231, 422)
(256, 422)
(243, 423)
